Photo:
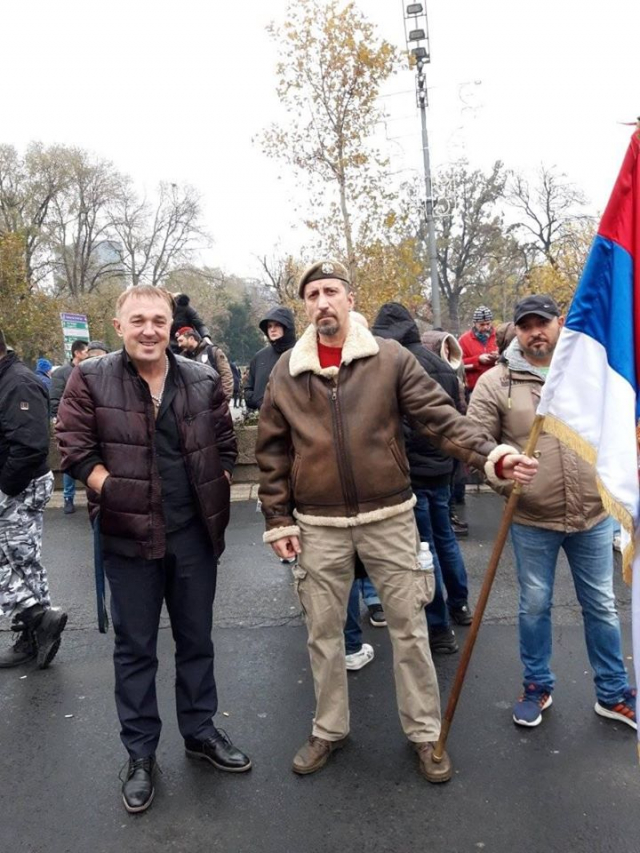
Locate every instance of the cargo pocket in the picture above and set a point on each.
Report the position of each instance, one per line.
(425, 583)
(299, 574)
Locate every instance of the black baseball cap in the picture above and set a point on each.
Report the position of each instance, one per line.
(542, 305)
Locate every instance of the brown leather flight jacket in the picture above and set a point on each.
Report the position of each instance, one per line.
(106, 416)
(330, 441)
(563, 495)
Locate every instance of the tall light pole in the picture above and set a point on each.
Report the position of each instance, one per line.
(417, 36)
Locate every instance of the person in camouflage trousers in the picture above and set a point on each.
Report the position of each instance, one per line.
(26, 484)
(23, 578)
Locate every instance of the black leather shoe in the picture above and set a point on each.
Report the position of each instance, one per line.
(219, 751)
(137, 789)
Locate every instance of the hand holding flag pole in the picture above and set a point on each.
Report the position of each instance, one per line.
(492, 568)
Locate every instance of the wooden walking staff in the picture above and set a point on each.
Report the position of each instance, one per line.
(498, 546)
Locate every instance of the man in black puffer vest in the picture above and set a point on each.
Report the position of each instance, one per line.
(430, 471)
(279, 326)
(151, 436)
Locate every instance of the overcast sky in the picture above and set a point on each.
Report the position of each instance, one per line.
(177, 90)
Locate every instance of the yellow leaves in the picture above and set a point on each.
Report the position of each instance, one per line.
(390, 219)
(546, 279)
(28, 316)
(388, 272)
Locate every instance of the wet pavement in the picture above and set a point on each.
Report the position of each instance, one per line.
(572, 784)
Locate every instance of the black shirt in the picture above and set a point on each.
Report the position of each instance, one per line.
(178, 500)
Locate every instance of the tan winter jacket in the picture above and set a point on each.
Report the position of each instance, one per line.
(563, 495)
(330, 441)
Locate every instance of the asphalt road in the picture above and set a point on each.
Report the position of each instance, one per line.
(570, 785)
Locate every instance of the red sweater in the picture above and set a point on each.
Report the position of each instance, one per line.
(472, 349)
(329, 356)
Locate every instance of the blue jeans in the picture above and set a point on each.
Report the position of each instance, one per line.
(590, 557)
(68, 487)
(352, 628)
(434, 525)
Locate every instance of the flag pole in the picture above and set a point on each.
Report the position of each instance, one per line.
(492, 568)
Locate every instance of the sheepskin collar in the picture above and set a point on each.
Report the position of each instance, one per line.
(359, 343)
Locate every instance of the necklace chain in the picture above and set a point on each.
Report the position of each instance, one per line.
(157, 398)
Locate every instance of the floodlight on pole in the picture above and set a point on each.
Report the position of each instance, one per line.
(417, 31)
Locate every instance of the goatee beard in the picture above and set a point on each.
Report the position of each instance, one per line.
(538, 354)
(328, 330)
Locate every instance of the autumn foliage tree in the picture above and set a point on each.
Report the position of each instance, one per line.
(332, 65)
(29, 318)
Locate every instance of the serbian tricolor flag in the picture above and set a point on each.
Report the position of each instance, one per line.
(591, 398)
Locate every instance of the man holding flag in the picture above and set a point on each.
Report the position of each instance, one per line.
(562, 508)
(601, 345)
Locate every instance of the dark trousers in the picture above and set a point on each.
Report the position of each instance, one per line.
(186, 579)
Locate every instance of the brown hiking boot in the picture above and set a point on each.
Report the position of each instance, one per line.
(314, 754)
(432, 771)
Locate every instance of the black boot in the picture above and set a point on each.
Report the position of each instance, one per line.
(23, 650)
(46, 627)
(137, 789)
(442, 641)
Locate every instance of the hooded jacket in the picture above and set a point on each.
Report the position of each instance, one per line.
(447, 347)
(264, 360)
(563, 495)
(428, 466)
(330, 444)
(43, 371)
(24, 426)
(185, 315)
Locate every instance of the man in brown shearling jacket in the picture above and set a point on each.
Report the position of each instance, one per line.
(151, 436)
(335, 482)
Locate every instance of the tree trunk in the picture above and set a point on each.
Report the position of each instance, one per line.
(348, 235)
(453, 301)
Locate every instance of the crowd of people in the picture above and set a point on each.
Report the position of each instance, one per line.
(365, 437)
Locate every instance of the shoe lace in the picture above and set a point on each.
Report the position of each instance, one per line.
(132, 764)
(22, 639)
(627, 705)
(222, 735)
(534, 694)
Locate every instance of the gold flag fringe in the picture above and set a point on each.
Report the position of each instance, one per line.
(586, 451)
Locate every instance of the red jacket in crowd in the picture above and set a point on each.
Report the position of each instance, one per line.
(472, 349)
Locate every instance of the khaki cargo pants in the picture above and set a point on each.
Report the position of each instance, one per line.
(324, 575)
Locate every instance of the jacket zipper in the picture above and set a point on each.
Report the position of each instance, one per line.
(344, 465)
